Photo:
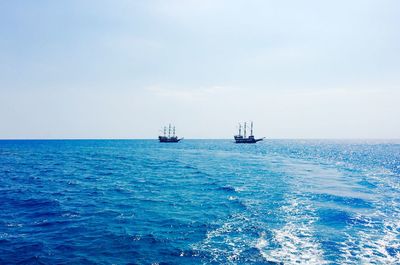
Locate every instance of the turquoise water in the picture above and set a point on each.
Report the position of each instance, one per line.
(199, 202)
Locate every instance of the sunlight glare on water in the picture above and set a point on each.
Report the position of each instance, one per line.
(200, 202)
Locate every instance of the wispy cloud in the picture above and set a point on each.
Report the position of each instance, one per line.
(298, 69)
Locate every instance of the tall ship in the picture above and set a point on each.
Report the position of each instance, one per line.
(169, 138)
(242, 139)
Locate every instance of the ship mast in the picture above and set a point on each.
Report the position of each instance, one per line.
(244, 135)
(251, 131)
(169, 130)
(240, 129)
(165, 131)
(173, 131)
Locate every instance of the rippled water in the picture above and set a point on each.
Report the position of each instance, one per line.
(199, 202)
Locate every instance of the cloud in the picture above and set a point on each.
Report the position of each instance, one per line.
(298, 69)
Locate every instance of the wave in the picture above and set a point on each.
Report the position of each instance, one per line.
(294, 243)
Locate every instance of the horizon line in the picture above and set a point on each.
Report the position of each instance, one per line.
(156, 139)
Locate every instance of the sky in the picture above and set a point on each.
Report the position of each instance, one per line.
(124, 69)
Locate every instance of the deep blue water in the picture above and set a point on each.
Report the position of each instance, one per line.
(199, 202)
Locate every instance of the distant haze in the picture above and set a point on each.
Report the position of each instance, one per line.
(124, 69)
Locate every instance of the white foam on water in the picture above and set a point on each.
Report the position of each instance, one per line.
(376, 243)
(227, 242)
(347, 250)
(261, 242)
(295, 240)
(372, 246)
(377, 236)
(14, 225)
(239, 189)
(385, 178)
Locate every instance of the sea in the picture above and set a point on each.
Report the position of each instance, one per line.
(199, 202)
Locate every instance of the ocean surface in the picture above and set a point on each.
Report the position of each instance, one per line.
(199, 202)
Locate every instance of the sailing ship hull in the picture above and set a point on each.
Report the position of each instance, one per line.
(247, 140)
(168, 139)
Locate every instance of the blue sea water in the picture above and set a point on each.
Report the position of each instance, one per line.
(199, 202)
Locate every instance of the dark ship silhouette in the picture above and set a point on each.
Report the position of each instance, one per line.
(242, 139)
(169, 139)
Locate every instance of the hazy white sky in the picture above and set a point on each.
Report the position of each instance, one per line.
(123, 69)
